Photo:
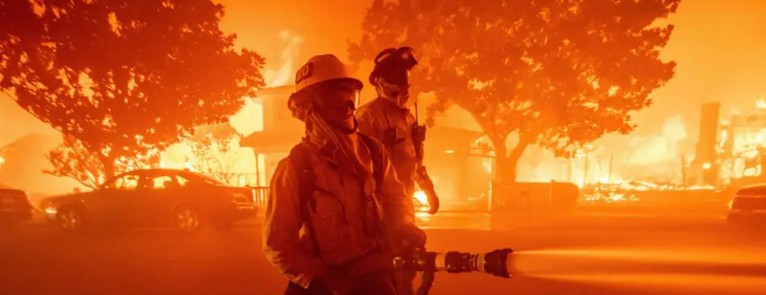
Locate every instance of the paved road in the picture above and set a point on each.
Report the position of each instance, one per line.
(582, 253)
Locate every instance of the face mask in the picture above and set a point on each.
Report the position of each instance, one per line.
(399, 94)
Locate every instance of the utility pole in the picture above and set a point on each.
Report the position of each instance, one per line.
(611, 161)
(683, 170)
(585, 173)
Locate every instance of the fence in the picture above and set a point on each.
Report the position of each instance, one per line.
(533, 196)
(261, 196)
(517, 196)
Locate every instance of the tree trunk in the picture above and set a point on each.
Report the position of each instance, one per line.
(505, 171)
(505, 162)
(108, 164)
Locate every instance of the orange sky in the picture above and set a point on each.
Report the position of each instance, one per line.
(324, 26)
(719, 45)
(720, 48)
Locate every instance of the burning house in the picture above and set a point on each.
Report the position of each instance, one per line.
(742, 146)
(705, 168)
(280, 132)
(732, 151)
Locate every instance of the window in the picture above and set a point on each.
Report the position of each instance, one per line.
(182, 181)
(125, 182)
(196, 179)
(210, 180)
(162, 182)
(753, 191)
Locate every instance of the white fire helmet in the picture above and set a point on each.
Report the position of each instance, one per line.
(322, 68)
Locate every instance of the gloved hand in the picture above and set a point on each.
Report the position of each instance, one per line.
(425, 183)
(335, 281)
(411, 237)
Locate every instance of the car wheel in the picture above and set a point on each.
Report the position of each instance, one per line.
(186, 219)
(70, 220)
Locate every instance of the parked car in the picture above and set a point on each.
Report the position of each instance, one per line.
(14, 206)
(748, 205)
(153, 198)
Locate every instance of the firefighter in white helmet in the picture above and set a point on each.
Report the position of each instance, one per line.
(335, 202)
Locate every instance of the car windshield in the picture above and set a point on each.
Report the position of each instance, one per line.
(123, 182)
(203, 178)
(210, 180)
(755, 190)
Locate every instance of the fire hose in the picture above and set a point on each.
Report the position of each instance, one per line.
(497, 263)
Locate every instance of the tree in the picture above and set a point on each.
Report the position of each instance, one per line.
(558, 73)
(121, 79)
(72, 159)
(213, 149)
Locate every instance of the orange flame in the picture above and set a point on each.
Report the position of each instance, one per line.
(282, 75)
(422, 200)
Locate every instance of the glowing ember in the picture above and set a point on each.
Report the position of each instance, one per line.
(609, 179)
